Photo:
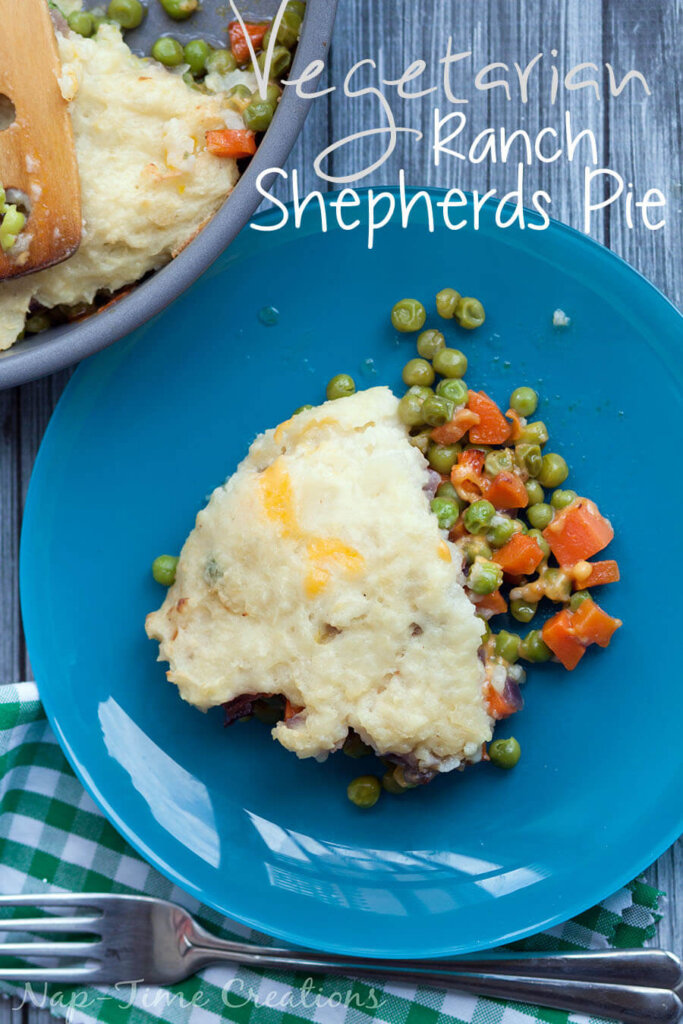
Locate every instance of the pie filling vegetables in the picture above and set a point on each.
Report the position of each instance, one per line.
(373, 635)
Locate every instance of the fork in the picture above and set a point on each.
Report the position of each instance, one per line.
(137, 938)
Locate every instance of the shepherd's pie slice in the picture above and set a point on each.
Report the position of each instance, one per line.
(317, 571)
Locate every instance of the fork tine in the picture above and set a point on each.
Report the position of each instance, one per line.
(69, 975)
(52, 899)
(82, 949)
(50, 924)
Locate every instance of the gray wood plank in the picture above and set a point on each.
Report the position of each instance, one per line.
(645, 139)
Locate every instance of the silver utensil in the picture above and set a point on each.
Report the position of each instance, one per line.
(126, 938)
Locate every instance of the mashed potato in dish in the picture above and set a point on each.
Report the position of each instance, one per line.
(148, 184)
(319, 572)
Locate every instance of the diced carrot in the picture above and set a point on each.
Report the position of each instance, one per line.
(577, 532)
(238, 40)
(520, 556)
(233, 142)
(467, 475)
(601, 572)
(592, 625)
(492, 428)
(494, 604)
(516, 429)
(558, 634)
(291, 710)
(473, 457)
(506, 490)
(451, 432)
(496, 704)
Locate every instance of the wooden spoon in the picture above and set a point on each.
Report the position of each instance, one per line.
(37, 155)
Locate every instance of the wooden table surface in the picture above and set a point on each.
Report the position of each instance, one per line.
(639, 136)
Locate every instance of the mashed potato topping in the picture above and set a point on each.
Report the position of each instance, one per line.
(148, 183)
(319, 572)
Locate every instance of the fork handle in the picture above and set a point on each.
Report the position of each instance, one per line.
(627, 1002)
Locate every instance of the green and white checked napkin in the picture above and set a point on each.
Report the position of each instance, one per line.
(53, 838)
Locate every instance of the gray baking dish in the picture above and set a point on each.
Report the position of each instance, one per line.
(62, 346)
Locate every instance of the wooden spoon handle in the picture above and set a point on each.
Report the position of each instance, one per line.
(37, 150)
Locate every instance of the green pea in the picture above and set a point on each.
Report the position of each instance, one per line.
(81, 22)
(540, 515)
(429, 343)
(453, 388)
(450, 362)
(279, 63)
(528, 457)
(524, 401)
(534, 433)
(442, 457)
(239, 97)
(474, 548)
(391, 783)
(520, 526)
(290, 27)
(446, 302)
(298, 6)
(196, 54)
(558, 586)
(507, 646)
(484, 577)
(533, 647)
(446, 511)
(258, 115)
(408, 315)
(364, 791)
(523, 611)
(560, 499)
(447, 490)
(470, 313)
(541, 541)
(355, 747)
(505, 753)
(273, 94)
(302, 408)
(37, 323)
(418, 371)
(554, 470)
(478, 516)
(421, 390)
(221, 62)
(497, 461)
(128, 13)
(163, 569)
(577, 599)
(179, 10)
(534, 492)
(168, 51)
(500, 532)
(340, 386)
(437, 410)
(422, 440)
(13, 220)
(410, 410)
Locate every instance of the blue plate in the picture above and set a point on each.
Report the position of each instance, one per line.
(147, 428)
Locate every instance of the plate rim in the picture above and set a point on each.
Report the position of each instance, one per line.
(292, 935)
